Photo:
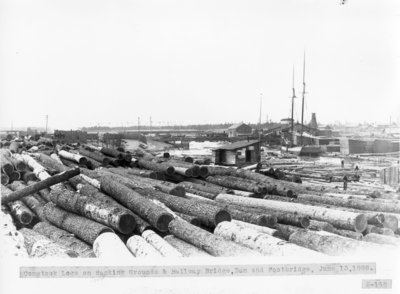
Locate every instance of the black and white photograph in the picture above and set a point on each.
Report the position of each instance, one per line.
(186, 146)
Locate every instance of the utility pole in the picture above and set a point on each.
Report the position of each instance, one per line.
(259, 127)
(151, 122)
(138, 125)
(293, 96)
(303, 95)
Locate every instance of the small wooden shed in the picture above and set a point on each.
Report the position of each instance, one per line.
(239, 153)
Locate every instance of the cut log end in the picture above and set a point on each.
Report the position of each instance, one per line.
(26, 218)
(291, 194)
(170, 171)
(127, 223)
(222, 216)
(163, 222)
(83, 161)
(267, 221)
(304, 222)
(178, 191)
(360, 223)
(204, 172)
(4, 179)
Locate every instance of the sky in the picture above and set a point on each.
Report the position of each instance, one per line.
(87, 63)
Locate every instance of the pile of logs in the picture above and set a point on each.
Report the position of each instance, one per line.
(89, 201)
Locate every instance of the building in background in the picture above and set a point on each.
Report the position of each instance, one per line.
(238, 130)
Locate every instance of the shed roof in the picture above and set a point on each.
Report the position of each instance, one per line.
(235, 126)
(237, 145)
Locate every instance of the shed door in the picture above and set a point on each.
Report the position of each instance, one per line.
(248, 155)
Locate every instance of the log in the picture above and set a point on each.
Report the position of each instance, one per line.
(114, 216)
(158, 167)
(321, 226)
(340, 219)
(104, 160)
(160, 244)
(381, 239)
(143, 207)
(351, 202)
(330, 244)
(4, 178)
(30, 201)
(109, 245)
(19, 165)
(236, 183)
(140, 248)
(17, 208)
(190, 219)
(55, 157)
(209, 215)
(141, 225)
(186, 249)
(28, 176)
(349, 234)
(117, 154)
(286, 230)
(38, 245)
(213, 244)
(261, 229)
(376, 230)
(64, 238)
(85, 229)
(267, 220)
(61, 177)
(391, 221)
(14, 176)
(6, 165)
(264, 243)
(44, 193)
(14, 147)
(209, 190)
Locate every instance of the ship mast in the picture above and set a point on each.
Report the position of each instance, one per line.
(303, 95)
(293, 96)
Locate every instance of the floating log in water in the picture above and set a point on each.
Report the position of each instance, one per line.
(38, 245)
(64, 238)
(110, 215)
(140, 248)
(186, 249)
(109, 245)
(143, 207)
(160, 244)
(61, 177)
(213, 244)
(266, 244)
(85, 229)
(340, 219)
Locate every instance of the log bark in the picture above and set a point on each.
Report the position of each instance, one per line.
(158, 167)
(38, 245)
(236, 183)
(138, 172)
(330, 244)
(64, 238)
(143, 207)
(351, 202)
(321, 226)
(117, 154)
(64, 176)
(209, 215)
(186, 249)
(267, 220)
(340, 219)
(104, 160)
(44, 193)
(210, 192)
(85, 229)
(213, 244)
(261, 229)
(286, 230)
(110, 215)
(376, 230)
(160, 244)
(140, 248)
(30, 201)
(190, 219)
(17, 208)
(349, 234)
(4, 178)
(264, 243)
(108, 245)
(381, 239)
